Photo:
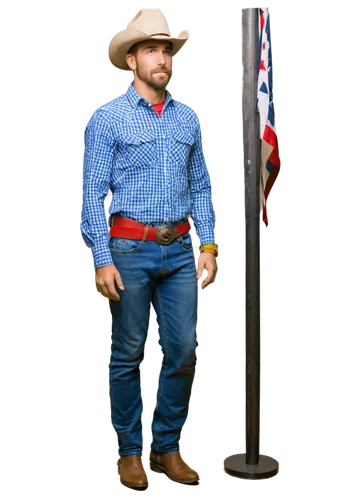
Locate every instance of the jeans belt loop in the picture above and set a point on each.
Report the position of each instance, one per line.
(146, 229)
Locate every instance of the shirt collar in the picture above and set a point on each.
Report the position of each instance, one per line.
(134, 98)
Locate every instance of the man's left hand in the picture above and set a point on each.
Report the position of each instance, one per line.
(207, 261)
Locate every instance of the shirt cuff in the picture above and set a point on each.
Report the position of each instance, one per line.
(101, 255)
(206, 235)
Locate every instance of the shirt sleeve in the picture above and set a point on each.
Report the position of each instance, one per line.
(97, 167)
(202, 211)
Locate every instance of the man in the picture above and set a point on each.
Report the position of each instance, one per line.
(146, 147)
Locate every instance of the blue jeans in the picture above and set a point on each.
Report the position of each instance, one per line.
(164, 275)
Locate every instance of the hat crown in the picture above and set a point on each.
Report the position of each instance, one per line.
(150, 21)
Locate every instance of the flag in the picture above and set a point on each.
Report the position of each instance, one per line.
(270, 161)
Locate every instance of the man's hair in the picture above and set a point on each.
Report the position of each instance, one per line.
(133, 49)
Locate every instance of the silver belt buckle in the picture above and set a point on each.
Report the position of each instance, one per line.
(165, 235)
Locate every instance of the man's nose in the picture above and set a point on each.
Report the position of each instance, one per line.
(161, 59)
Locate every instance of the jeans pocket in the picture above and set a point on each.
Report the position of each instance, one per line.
(185, 241)
(124, 245)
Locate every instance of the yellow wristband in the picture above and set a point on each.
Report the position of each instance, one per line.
(213, 246)
(210, 248)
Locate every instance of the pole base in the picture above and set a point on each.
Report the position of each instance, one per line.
(236, 465)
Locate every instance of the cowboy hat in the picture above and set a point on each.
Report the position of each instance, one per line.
(148, 24)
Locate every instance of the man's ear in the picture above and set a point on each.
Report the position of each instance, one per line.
(130, 60)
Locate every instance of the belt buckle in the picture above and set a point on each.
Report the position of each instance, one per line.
(166, 235)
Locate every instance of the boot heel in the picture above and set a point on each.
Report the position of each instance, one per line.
(154, 467)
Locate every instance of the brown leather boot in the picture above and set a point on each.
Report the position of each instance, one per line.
(132, 473)
(173, 466)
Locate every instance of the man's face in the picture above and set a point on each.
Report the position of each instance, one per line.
(153, 63)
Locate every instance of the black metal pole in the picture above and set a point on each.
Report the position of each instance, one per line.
(251, 465)
(251, 132)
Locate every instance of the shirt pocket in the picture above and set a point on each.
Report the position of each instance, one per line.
(181, 143)
(140, 148)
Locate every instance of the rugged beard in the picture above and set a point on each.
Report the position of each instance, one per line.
(158, 85)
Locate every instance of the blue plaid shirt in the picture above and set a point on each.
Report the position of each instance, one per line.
(154, 166)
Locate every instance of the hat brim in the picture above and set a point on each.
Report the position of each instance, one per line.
(122, 42)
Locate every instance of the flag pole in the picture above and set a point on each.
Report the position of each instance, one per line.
(251, 465)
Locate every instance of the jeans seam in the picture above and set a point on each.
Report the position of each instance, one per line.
(166, 358)
(109, 391)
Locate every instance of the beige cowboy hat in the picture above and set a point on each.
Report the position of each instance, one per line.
(147, 24)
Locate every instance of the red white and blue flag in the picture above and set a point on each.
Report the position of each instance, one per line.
(270, 161)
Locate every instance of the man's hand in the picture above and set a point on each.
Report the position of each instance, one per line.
(106, 276)
(208, 261)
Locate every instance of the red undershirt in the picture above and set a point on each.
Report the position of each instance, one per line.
(158, 107)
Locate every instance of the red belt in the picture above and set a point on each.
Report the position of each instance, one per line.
(122, 227)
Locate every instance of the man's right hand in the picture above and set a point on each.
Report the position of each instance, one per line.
(106, 277)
